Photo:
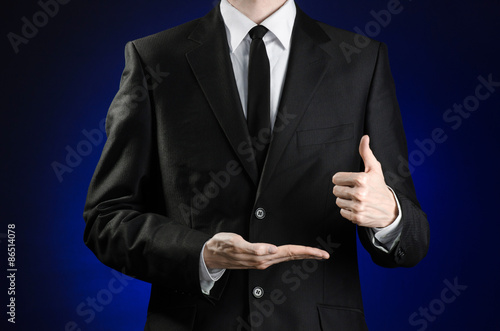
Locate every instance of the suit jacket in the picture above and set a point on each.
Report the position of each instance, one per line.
(178, 167)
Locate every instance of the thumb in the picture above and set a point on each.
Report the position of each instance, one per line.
(370, 161)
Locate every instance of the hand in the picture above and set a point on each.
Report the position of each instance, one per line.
(363, 197)
(230, 251)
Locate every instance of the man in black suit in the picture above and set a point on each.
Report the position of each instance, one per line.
(216, 185)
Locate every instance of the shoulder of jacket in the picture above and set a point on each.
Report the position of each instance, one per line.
(346, 36)
(175, 38)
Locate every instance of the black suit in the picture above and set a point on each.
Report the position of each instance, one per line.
(177, 168)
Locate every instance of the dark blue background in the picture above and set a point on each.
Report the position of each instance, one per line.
(62, 81)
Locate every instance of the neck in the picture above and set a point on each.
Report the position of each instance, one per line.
(257, 10)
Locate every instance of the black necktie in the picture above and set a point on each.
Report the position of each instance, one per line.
(258, 107)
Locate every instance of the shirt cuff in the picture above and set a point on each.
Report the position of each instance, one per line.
(208, 277)
(388, 237)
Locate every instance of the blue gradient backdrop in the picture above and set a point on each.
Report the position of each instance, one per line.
(62, 81)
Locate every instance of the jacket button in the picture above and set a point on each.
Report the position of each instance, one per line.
(401, 253)
(258, 292)
(260, 213)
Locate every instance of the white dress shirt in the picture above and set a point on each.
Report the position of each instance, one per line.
(277, 41)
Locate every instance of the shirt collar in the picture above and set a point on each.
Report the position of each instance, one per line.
(280, 23)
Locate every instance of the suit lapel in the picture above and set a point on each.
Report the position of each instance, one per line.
(211, 64)
(308, 62)
(307, 65)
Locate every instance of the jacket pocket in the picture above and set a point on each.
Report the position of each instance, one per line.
(334, 318)
(325, 135)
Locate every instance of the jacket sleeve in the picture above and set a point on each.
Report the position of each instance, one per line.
(384, 125)
(126, 226)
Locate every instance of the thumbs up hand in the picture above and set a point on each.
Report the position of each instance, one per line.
(363, 197)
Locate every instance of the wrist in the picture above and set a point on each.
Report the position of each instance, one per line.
(393, 210)
(206, 255)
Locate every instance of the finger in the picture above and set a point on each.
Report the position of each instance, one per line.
(282, 259)
(344, 178)
(348, 215)
(294, 252)
(369, 159)
(350, 179)
(343, 192)
(284, 253)
(345, 204)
